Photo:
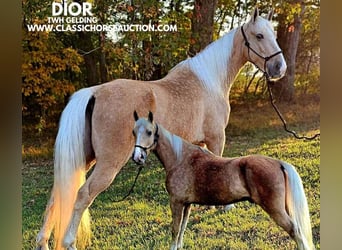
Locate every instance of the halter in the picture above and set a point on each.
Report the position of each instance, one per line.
(255, 52)
(156, 136)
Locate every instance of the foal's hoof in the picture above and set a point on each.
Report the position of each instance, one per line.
(229, 207)
(72, 247)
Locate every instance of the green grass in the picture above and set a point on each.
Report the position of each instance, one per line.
(143, 220)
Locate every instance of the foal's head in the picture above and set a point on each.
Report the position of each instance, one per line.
(261, 46)
(146, 135)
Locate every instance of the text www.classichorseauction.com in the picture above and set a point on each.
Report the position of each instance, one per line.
(78, 17)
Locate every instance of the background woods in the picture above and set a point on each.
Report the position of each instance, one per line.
(55, 64)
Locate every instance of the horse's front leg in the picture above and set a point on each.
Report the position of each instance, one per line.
(186, 214)
(215, 142)
(177, 218)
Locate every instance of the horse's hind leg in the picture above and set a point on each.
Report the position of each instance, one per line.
(101, 177)
(45, 232)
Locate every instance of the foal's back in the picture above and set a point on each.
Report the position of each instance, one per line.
(205, 178)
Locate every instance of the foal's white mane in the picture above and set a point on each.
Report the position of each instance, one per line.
(176, 143)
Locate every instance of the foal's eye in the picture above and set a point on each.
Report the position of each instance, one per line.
(259, 36)
(149, 132)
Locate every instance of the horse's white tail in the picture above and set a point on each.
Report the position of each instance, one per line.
(298, 208)
(69, 167)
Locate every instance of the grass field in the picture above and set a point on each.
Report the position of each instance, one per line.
(143, 220)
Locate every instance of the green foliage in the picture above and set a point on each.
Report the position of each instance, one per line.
(308, 84)
(308, 53)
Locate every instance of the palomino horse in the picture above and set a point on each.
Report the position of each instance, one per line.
(195, 175)
(96, 125)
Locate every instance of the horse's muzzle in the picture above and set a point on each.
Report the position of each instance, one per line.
(276, 70)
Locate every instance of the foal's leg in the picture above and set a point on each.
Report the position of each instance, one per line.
(44, 233)
(102, 176)
(285, 221)
(186, 214)
(177, 217)
(275, 207)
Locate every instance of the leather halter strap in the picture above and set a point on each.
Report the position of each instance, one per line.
(266, 58)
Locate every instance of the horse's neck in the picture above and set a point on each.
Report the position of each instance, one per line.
(219, 63)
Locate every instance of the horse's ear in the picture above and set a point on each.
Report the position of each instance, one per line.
(270, 15)
(135, 114)
(150, 116)
(255, 14)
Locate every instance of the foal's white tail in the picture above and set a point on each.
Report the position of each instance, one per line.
(69, 167)
(298, 209)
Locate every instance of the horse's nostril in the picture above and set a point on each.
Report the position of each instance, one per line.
(278, 65)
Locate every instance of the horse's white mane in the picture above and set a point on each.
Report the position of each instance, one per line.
(211, 64)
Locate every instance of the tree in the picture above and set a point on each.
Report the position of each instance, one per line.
(50, 68)
(288, 34)
(202, 25)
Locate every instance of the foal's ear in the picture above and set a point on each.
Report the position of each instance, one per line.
(270, 15)
(255, 14)
(150, 116)
(135, 114)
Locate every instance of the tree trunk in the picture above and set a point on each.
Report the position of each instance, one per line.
(90, 61)
(202, 25)
(103, 66)
(288, 38)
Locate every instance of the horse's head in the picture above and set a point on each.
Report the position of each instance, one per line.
(145, 132)
(262, 48)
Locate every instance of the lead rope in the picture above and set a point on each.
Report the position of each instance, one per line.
(268, 82)
(281, 116)
(132, 187)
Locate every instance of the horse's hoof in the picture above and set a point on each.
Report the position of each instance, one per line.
(42, 248)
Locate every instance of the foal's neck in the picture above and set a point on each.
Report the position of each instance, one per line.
(169, 148)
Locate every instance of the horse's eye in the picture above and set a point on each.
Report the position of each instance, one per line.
(149, 132)
(259, 36)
